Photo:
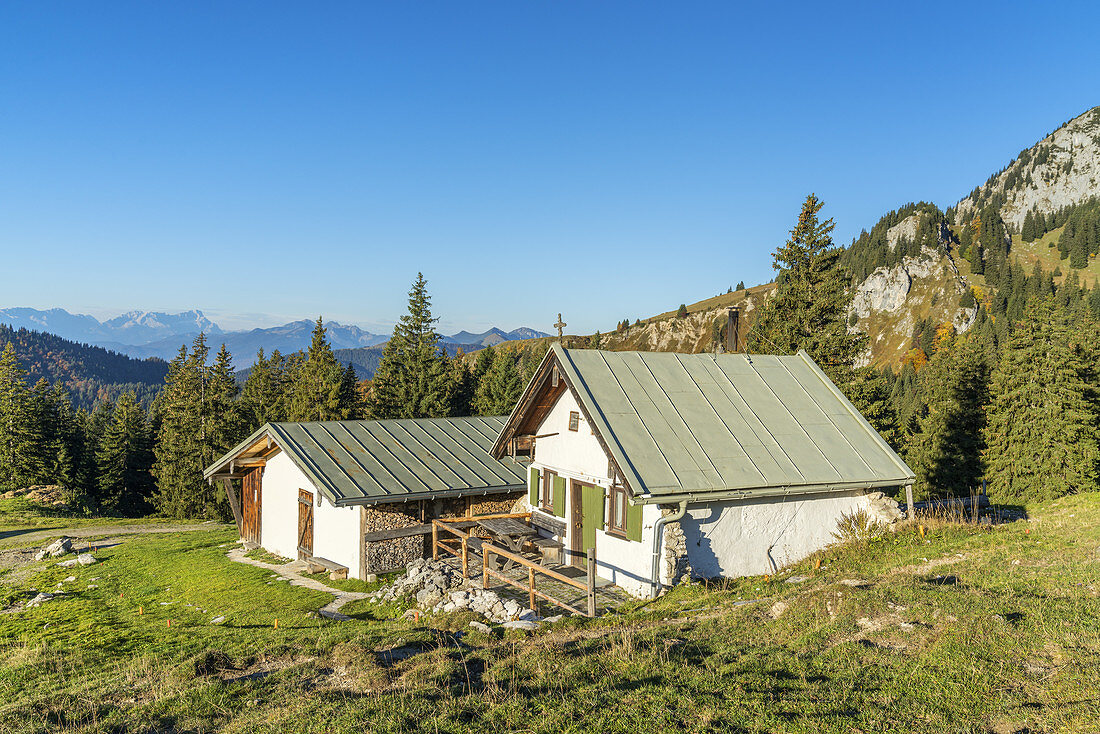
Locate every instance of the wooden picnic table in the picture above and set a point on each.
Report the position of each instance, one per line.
(511, 533)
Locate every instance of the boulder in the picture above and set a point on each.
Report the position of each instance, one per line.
(481, 627)
(38, 600)
(60, 547)
(520, 624)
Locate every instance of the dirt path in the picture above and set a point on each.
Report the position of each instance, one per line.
(28, 537)
(290, 571)
(19, 559)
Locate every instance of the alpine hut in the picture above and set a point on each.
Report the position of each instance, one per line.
(709, 465)
(358, 497)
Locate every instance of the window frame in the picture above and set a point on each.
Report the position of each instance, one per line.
(618, 530)
(546, 490)
(574, 420)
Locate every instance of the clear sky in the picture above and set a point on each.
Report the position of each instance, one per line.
(272, 161)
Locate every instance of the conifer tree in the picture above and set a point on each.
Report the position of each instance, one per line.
(227, 423)
(15, 439)
(184, 445)
(1042, 431)
(316, 394)
(809, 309)
(414, 378)
(946, 452)
(740, 285)
(501, 387)
(465, 385)
(123, 460)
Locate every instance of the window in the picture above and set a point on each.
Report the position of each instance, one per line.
(546, 490)
(616, 516)
(574, 420)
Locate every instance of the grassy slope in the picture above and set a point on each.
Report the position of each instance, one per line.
(1007, 637)
(1045, 250)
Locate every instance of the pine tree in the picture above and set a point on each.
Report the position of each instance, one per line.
(123, 460)
(15, 436)
(809, 309)
(227, 422)
(1042, 432)
(501, 387)
(413, 379)
(184, 445)
(869, 390)
(946, 452)
(740, 285)
(316, 394)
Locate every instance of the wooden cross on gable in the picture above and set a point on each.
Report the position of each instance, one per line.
(559, 326)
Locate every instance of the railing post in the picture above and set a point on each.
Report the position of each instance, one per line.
(531, 588)
(591, 582)
(435, 541)
(485, 565)
(465, 559)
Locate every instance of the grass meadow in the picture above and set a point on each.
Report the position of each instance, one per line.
(959, 628)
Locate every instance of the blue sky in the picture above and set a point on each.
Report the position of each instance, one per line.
(273, 161)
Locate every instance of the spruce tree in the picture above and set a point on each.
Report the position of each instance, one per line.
(414, 378)
(123, 460)
(809, 309)
(184, 445)
(227, 422)
(501, 387)
(1042, 431)
(946, 452)
(15, 435)
(317, 393)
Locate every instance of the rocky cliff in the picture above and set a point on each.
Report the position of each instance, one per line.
(1060, 170)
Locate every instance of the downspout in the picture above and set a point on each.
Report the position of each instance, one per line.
(658, 527)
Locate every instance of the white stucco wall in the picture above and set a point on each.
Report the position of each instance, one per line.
(578, 455)
(336, 534)
(753, 537)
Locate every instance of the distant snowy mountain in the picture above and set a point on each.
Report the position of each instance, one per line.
(133, 328)
(143, 334)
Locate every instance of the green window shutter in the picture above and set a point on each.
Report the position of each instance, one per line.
(592, 509)
(633, 522)
(533, 487)
(599, 503)
(559, 496)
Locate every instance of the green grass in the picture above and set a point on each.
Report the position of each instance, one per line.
(1045, 250)
(964, 630)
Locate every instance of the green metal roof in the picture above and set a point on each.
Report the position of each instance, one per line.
(365, 462)
(687, 425)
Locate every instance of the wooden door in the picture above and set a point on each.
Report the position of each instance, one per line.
(305, 523)
(251, 504)
(585, 515)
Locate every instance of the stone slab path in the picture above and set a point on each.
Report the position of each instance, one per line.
(291, 571)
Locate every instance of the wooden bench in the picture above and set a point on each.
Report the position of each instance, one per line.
(336, 572)
(551, 549)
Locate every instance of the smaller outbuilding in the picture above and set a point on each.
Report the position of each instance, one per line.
(358, 497)
(694, 464)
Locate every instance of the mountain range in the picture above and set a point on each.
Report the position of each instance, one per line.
(145, 334)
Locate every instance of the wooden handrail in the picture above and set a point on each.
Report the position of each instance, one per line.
(498, 551)
(462, 551)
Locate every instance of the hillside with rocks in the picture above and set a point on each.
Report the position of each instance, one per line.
(913, 270)
(1061, 170)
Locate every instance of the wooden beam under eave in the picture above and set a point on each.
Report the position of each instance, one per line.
(234, 503)
(251, 463)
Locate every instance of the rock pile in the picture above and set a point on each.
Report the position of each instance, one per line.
(439, 588)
